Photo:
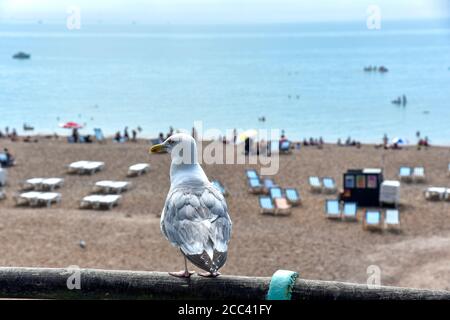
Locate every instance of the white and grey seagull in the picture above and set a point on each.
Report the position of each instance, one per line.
(195, 216)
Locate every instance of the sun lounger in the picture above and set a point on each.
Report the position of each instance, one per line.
(26, 198)
(255, 185)
(266, 205)
(282, 206)
(434, 193)
(93, 167)
(251, 174)
(268, 183)
(107, 186)
(292, 196)
(220, 187)
(405, 174)
(33, 198)
(349, 211)
(372, 220)
(138, 169)
(88, 167)
(100, 201)
(48, 198)
(329, 185)
(51, 184)
(392, 219)
(75, 167)
(32, 184)
(332, 209)
(275, 192)
(315, 184)
(419, 174)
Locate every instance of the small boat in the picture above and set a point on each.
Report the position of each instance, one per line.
(22, 56)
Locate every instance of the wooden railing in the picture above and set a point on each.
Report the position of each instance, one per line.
(49, 283)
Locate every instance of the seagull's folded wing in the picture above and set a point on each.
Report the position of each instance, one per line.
(196, 220)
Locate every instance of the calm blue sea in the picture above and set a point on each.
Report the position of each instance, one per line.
(307, 79)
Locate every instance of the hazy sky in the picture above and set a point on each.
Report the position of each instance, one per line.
(220, 11)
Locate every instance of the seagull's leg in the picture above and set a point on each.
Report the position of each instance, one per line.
(209, 274)
(183, 273)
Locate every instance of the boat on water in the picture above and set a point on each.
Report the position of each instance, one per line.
(22, 56)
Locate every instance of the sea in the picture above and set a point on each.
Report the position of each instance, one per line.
(307, 79)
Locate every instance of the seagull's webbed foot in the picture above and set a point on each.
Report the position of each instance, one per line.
(209, 274)
(182, 274)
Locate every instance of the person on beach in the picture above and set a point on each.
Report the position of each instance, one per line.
(118, 137)
(126, 136)
(161, 137)
(75, 135)
(134, 134)
(9, 159)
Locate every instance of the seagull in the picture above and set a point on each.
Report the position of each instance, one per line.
(195, 216)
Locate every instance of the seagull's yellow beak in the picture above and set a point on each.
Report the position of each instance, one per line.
(157, 148)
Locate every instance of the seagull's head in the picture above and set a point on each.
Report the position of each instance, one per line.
(181, 146)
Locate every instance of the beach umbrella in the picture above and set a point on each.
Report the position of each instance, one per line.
(71, 125)
(399, 141)
(252, 133)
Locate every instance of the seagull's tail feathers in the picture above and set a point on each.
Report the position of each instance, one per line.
(204, 262)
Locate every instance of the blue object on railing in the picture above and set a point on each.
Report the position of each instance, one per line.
(281, 284)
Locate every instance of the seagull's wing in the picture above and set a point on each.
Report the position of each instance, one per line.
(196, 220)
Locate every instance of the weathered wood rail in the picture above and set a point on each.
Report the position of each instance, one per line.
(49, 283)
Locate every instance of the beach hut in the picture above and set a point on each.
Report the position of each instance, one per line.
(362, 186)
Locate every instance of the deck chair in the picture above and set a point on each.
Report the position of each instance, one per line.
(48, 198)
(292, 196)
(447, 195)
(99, 137)
(332, 209)
(372, 220)
(392, 219)
(419, 174)
(255, 186)
(282, 206)
(138, 169)
(285, 147)
(405, 174)
(220, 187)
(268, 183)
(315, 184)
(251, 174)
(329, 185)
(266, 205)
(275, 192)
(51, 184)
(349, 211)
(27, 198)
(434, 193)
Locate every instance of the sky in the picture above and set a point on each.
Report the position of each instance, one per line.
(219, 11)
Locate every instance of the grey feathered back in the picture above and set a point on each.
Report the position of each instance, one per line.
(195, 219)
